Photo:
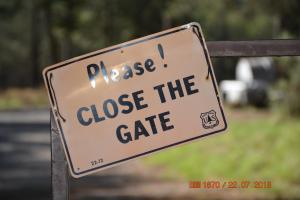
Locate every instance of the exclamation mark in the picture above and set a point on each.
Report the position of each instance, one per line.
(161, 53)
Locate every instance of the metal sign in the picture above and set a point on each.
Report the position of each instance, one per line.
(132, 99)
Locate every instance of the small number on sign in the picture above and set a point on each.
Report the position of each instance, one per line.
(96, 162)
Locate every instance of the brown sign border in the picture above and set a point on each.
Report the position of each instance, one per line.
(197, 31)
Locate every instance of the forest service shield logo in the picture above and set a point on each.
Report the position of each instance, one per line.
(209, 119)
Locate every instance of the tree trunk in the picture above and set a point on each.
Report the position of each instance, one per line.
(69, 28)
(34, 45)
(53, 44)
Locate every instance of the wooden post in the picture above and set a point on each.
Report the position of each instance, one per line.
(59, 166)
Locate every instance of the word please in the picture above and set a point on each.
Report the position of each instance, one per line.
(114, 75)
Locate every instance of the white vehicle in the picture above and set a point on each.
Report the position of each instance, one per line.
(234, 92)
(253, 77)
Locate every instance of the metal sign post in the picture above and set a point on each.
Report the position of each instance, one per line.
(59, 166)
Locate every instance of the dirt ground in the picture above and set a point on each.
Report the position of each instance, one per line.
(135, 180)
(25, 169)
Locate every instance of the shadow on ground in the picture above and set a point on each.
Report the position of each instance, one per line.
(24, 161)
(25, 167)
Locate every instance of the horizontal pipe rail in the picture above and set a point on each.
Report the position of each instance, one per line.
(254, 48)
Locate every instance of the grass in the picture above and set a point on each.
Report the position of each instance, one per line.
(16, 98)
(256, 147)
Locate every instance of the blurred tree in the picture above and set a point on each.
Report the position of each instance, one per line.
(14, 44)
(287, 13)
(293, 89)
(223, 20)
(37, 33)
(47, 6)
(35, 40)
(226, 20)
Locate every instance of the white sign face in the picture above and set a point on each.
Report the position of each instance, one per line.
(132, 99)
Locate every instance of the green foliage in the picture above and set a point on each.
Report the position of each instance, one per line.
(293, 96)
(21, 98)
(289, 84)
(224, 20)
(255, 148)
(37, 33)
